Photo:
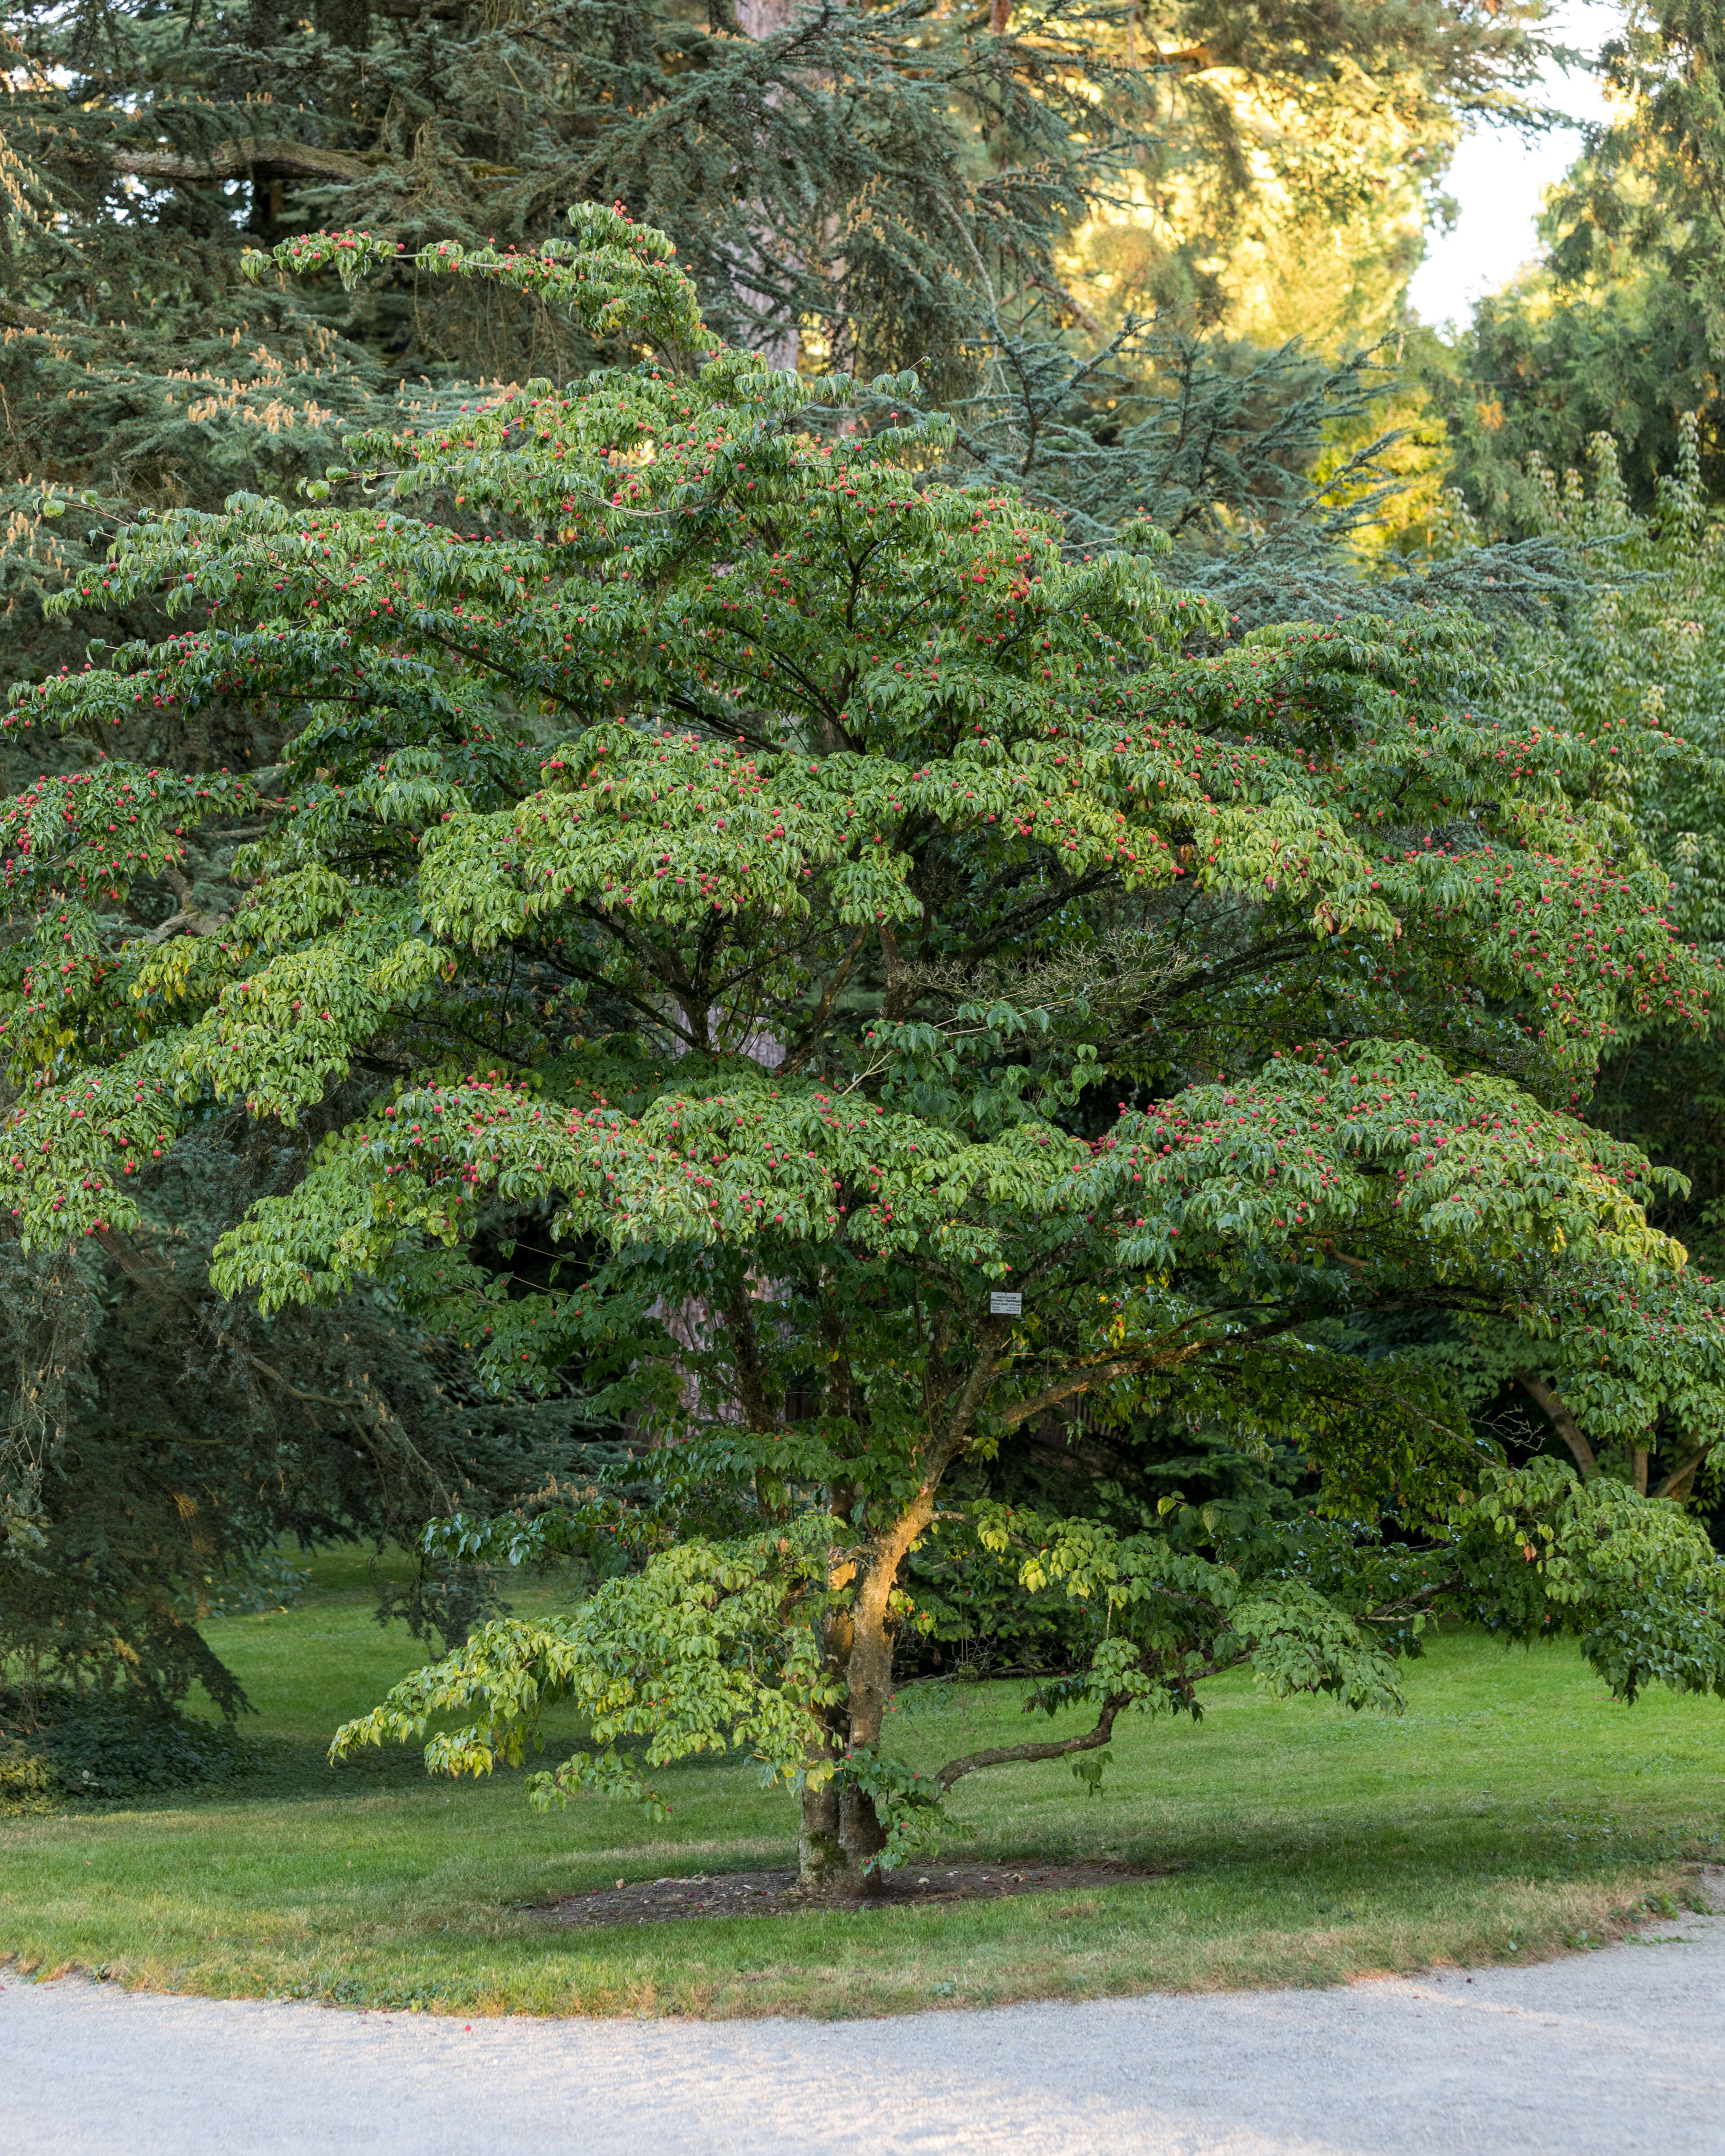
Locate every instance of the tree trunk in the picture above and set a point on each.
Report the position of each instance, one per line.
(1677, 1482)
(758, 19)
(839, 1838)
(1556, 1412)
(841, 1835)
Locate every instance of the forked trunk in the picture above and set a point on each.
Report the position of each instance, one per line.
(841, 1836)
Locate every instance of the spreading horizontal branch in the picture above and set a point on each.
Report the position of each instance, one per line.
(274, 155)
(1005, 1755)
(1086, 1379)
(1084, 1376)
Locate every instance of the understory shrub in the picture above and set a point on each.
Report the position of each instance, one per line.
(90, 1747)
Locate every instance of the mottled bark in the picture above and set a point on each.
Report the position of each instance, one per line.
(820, 1859)
(842, 1834)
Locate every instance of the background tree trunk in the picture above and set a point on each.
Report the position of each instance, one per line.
(764, 18)
(1551, 1404)
(1678, 1482)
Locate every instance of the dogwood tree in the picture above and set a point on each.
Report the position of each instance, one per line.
(846, 978)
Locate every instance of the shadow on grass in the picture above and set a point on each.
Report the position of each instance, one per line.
(1513, 1812)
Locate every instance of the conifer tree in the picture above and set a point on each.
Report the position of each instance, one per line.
(870, 186)
(1620, 328)
(857, 978)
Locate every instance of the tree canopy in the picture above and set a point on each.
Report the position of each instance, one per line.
(857, 976)
(871, 186)
(1618, 328)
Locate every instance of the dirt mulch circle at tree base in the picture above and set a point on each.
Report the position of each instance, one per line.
(777, 1894)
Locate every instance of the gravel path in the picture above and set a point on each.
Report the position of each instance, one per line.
(1599, 2054)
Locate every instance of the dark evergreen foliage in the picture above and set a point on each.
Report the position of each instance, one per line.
(161, 1441)
(92, 1748)
(868, 187)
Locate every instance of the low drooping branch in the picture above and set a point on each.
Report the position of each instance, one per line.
(1393, 1612)
(1065, 1748)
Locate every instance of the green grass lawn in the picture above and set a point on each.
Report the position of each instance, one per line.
(1514, 1811)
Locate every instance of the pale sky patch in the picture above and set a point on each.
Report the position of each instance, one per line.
(1500, 179)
